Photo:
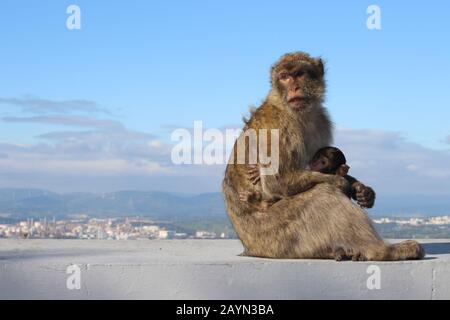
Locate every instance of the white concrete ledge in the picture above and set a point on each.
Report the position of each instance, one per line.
(206, 269)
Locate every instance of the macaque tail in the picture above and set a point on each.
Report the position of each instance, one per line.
(406, 250)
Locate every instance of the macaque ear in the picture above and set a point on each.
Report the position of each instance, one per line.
(343, 170)
(320, 67)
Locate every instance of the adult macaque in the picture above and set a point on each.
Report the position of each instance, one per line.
(314, 218)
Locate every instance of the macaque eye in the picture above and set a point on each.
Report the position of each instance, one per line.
(299, 74)
(283, 76)
(312, 74)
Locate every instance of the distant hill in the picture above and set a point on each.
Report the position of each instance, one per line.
(39, 203)
(23, 203)
(411, 205)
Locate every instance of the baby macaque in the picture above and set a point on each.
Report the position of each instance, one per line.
(331, 160)
(327, 160)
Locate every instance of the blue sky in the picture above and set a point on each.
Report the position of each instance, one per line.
(146, 66)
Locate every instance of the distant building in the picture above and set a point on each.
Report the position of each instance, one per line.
(151, 229)
(205, 235)
(181, 236)
(166, 234)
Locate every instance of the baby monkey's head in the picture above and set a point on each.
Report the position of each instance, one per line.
(329, 160)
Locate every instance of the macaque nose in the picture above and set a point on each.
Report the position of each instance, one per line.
(294, 86)
(296, 91)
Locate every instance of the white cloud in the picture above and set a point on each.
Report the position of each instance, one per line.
(107, 149)
(155, 143)
(412, 167)
(30, 163)
(72, 121)
(32, 104)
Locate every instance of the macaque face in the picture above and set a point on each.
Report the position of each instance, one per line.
(322, 164)
(329, 160)
(299, 85)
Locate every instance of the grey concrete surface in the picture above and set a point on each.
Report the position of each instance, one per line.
(207, 269)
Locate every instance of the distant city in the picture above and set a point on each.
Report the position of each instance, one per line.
(436, 221)
(435, 227)
(83, 227)
(143, 228)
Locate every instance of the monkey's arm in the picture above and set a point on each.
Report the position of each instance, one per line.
(292, 183)
(353, 184)
(363, 195)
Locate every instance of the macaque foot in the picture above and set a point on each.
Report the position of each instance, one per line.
(340, 254)
(359, 257)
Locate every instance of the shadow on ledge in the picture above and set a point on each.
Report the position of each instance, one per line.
(437, 248)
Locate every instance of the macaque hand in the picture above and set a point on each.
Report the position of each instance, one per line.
(253, 174)
(343, 170)
(245, 196)
(365, 196)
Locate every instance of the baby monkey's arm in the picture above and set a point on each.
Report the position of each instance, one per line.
(363, 195)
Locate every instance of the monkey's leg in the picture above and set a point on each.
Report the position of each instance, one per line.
(322, 217)
(311, 224)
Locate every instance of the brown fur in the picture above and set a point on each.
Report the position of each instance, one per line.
(314, 218)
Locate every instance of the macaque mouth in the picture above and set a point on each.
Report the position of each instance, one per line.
(297, 99)
(298, 102)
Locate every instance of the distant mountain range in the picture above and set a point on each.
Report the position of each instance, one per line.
(39, 203)
(23, 203)
(411, 205)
